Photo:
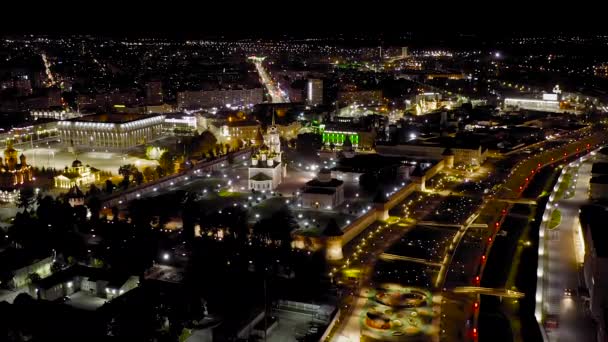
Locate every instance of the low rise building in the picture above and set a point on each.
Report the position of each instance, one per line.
(18, 266)
(434, 148)
(180, 124)
(323, 192)
(599, 169)
(95, 282)
(245, 130)
(598, 187)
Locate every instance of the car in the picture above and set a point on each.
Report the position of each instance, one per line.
(568, 292)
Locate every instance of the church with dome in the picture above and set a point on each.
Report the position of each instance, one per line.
(78, 175)
(14, 171)
(267, 170)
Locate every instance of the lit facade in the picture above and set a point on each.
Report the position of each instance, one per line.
(180, 124)
(360, 96)
(314, 91)
(14, 171)
(533, 104)
(77, 175)
(111, 131)
(244, 130)
(219, 98)
(267, 170)
(53, 114)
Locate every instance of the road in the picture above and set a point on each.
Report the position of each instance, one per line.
(562, 266)
(276, 94)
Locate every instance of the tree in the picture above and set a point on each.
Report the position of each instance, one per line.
(94, 205)
(93, 190)
(166, 163)
(277, 228)
(124, 183)
(127, 170)
(203, 143)
(149, 174)
(109, 186)
(26, 198)
(47, 209)
(159, 172)
(33, 277)
(308, 143)
(138, 177)
(368, 182)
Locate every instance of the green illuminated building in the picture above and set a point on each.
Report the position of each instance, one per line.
(337, 138)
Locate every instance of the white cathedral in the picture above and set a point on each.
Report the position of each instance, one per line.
(267, 171)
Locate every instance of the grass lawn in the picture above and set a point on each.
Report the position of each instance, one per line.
(563, 188)
(556, 218)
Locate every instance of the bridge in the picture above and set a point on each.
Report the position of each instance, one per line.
(394, 257)
(526, 201)
(488, 291)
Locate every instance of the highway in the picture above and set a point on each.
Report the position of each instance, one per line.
(275, 93)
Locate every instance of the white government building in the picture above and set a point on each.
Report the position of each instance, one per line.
(267, 171)
(111, 131)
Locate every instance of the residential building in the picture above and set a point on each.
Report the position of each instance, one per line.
(314, 91)
(219, 98)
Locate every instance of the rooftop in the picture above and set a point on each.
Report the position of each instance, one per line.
(601, 168)
(14, 259)
(593, 217)
(320, 184)
(261, 177)
(320, 191)
(112, 118)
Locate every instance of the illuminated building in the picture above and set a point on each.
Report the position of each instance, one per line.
(267, 170)
(154, 92)
(110, 131)
(360, 96)
(245, 130)
(338, 137)
(314, 91)
(77, 175)
(180, 124)
(97, 282)
(219, 98)
(361, 131)
(323, 192)
(19, 264)
(533, 104)
(437, 148)
(59, 114)
(13, 174)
